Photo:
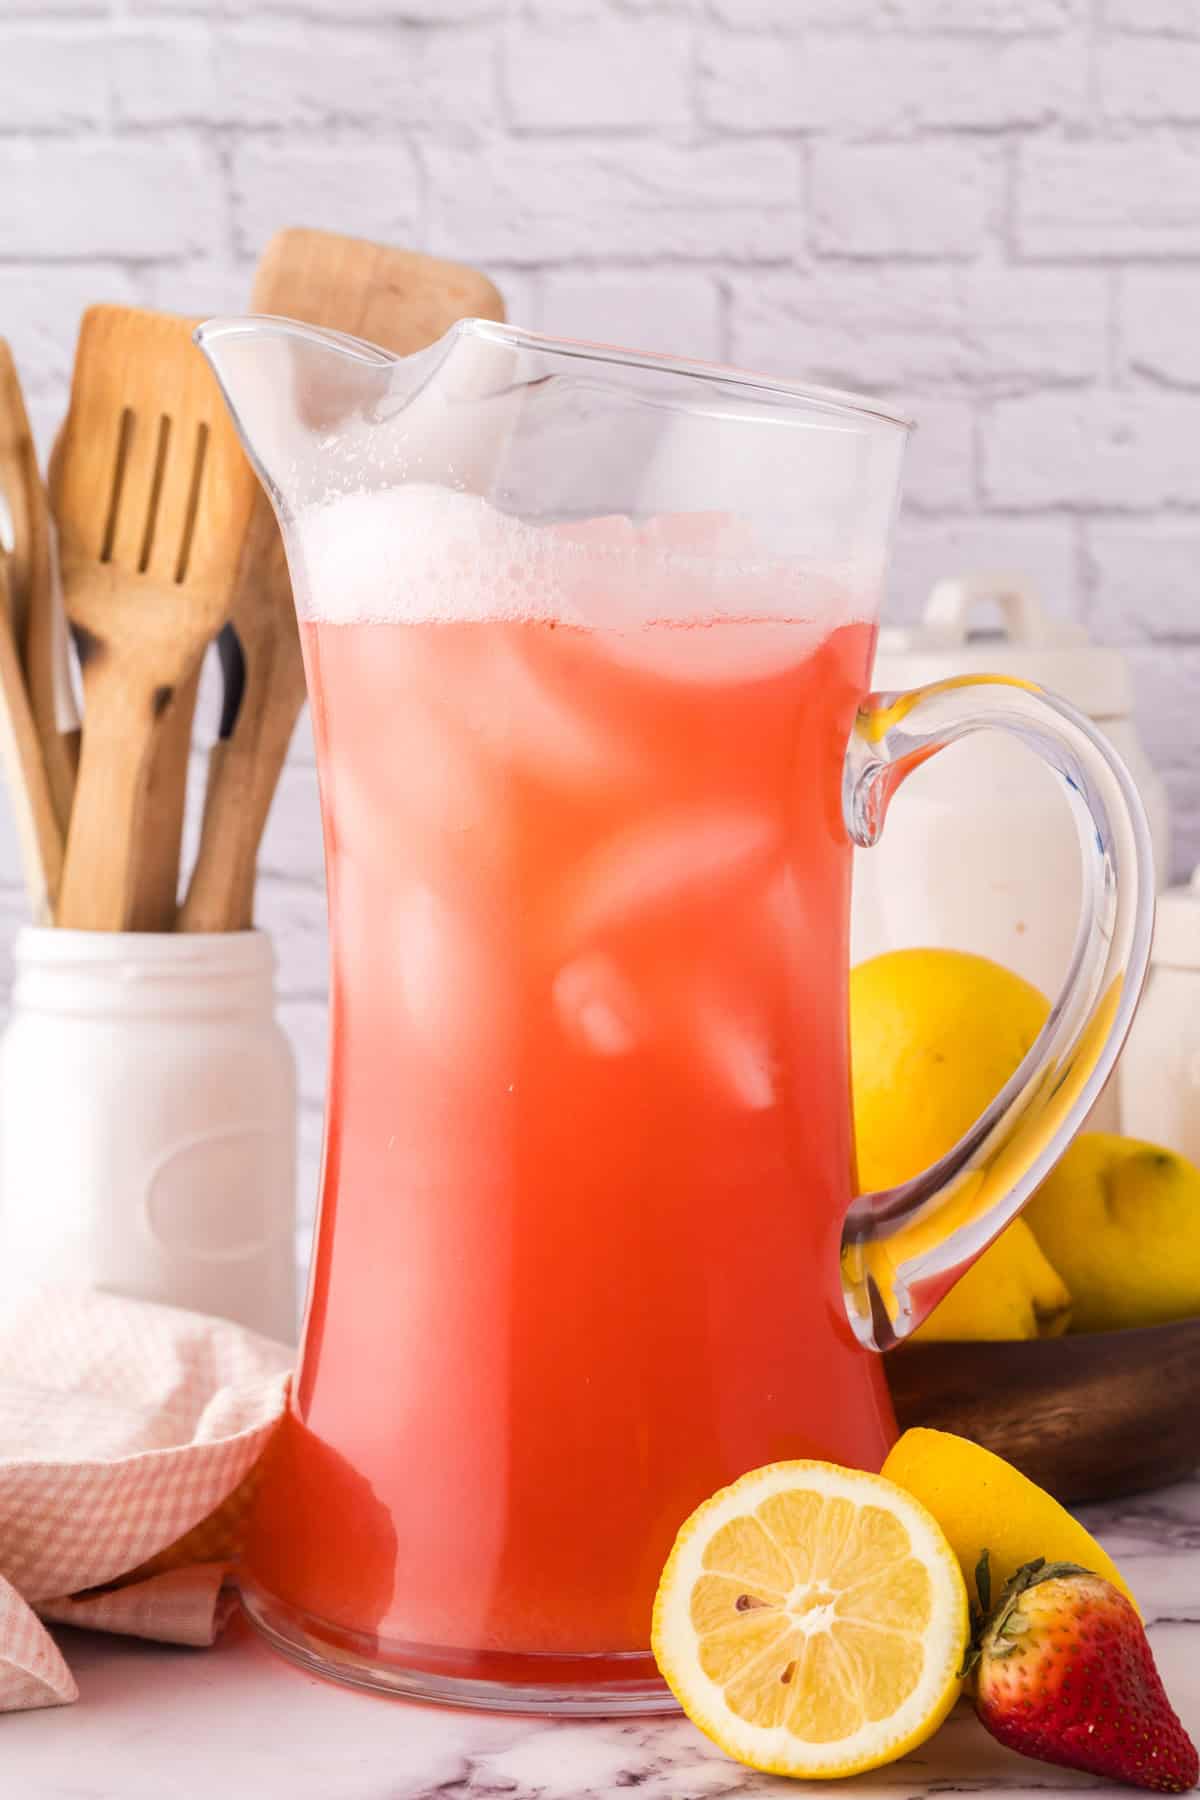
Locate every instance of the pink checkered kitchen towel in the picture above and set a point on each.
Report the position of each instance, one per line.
(130, 1436)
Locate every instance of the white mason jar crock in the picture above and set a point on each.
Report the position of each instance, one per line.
(148, 1122)
(1159, 1070)
(1000, 875)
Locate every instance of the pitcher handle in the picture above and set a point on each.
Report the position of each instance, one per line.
(904, 1247)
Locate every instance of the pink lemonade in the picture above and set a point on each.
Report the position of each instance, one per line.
(588, 1141)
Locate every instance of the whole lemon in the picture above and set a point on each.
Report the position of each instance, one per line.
(1120, 1220)
(1013, 1291)
(934, 1035)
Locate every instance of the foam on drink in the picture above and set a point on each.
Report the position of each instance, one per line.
(422, 554)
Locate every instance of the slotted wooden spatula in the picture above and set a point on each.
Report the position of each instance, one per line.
(152, 495)
(402, 301)
(38, 632)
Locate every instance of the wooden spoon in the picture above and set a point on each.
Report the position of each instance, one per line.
(402, 301)
(152, 496)
(37, 828)
(38, 630)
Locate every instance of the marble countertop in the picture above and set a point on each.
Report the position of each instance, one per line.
(237, 1723)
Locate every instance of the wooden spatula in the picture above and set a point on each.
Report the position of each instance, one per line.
(399, 299)
(152, 495)
(402, 301)
(38, 632)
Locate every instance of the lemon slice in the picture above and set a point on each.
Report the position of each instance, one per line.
(811, 1620)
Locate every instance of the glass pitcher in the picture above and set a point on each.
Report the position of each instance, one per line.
(589, 637)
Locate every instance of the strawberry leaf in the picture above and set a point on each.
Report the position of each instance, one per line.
(1007, 1622)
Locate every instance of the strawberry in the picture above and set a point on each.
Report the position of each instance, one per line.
(1063, 1672)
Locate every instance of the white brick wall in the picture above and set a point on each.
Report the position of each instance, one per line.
(986, 209)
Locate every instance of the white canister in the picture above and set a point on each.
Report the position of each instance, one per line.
(1159, 1071)
(148, 1122)
(979, 853)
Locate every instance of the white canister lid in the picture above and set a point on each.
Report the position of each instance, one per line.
(1177, 926)
(1031, 645)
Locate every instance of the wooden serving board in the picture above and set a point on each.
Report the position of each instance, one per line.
(1091, 1417)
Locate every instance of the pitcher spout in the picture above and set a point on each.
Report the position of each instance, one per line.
(322, 414)
(287, 384)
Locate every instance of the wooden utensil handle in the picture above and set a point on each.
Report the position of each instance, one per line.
(33, 595)
(160, 824)
(206, 905)
(242, 778)
(98, 876)
(40, 656)
(37, 827)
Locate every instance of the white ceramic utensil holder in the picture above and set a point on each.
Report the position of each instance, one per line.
(1159, 1071)
(148, 1122)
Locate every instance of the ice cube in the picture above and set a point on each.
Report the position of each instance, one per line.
(526, 709)
(657, 861)
(610, 531)
(597, 1006)
(696, 600)
(782, 909)
(454, 979)
(732, 1051)
(703, 533)
(411, 796)
(712, 651)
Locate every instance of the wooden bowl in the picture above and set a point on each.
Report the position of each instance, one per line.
(1088, 1418)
